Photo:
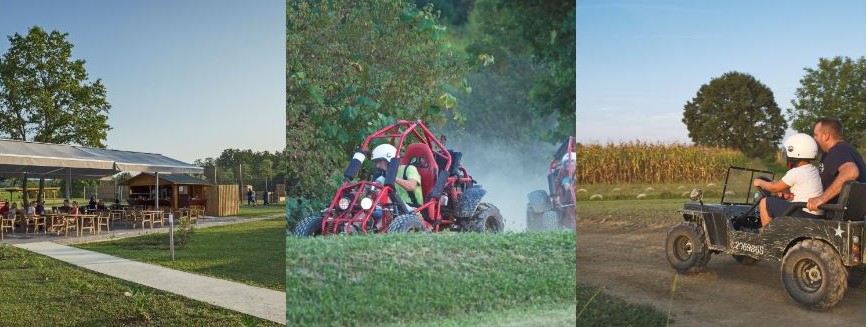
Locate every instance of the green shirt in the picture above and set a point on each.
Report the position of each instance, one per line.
(411, 174)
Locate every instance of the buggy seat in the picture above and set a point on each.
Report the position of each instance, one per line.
(850, 204)
(420, 156)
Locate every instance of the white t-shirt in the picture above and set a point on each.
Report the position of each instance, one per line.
(805, 183)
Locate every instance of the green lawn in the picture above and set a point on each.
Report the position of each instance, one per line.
(262, 211)
(251, 253)
(430, 279)
(39, 291)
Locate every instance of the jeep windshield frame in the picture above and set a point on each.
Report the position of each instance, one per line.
(752, 172)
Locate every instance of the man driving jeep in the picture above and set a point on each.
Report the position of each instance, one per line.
(840, 162)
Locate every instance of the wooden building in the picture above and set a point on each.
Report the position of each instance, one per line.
(175, 190)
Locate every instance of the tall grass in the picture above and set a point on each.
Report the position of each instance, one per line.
(653, 163)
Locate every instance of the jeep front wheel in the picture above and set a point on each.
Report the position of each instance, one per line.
(813, 274)
(686, 250)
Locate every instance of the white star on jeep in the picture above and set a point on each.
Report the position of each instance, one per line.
(839, 230)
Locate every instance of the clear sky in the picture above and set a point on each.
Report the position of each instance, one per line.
(638, 62)
(186, 79)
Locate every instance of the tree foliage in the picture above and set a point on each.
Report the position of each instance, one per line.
(453, 12)
(736, 111)
(46, 95)
(255, 167)
(836, 88)
(354, 67)
(542, 32)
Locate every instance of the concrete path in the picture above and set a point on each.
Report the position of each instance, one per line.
(251, 300)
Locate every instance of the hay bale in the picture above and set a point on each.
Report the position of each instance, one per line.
(596, 197)
(641, 196)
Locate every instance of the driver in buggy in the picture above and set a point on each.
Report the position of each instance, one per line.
(802, 181)
(408, 179)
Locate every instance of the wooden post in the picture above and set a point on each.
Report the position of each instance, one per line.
(174, 196)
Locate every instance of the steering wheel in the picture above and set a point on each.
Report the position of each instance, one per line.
(764, 193)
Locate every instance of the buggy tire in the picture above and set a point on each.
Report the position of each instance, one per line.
(310, 226)
(551, 220)
(686, 250)
(856, 275)
(813, 275)
(745, 260)
(407, 223)
(539, 201)
(486, 219)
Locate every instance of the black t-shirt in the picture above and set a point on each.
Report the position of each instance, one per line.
(838, 155)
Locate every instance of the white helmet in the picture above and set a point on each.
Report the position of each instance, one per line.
(800, 146)
(570, 157)
(384, 151)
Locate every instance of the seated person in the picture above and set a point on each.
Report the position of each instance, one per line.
(5, 209)
(65, 208)
(13, 210)
(73, 210)
(408, 179)
(100, 205)
(40, 208)
(802, 180)
(31, 209)
(92, 204)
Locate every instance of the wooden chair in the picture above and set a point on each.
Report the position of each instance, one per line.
(35, 221)
(87, 222)
(116, 215)
(151, 217)
(67, 222)
(103, 219)
(136, 217)
(7, 222)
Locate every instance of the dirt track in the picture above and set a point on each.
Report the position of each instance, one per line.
(629, 261)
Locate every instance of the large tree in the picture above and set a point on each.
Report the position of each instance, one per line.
(836, 88)
(46, 95)
(737, 111)
(352, 68)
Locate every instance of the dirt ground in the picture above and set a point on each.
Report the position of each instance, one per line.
(628, 261)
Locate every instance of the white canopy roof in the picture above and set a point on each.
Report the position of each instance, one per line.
(61, 161)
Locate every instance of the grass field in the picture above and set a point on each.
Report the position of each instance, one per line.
(262, 211)
(251, 253)
(39, 291)
(431, 279)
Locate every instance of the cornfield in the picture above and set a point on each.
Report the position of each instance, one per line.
(650, 163)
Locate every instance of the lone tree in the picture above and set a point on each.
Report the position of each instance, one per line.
(836, 88)
(736, 111)
(45, 95)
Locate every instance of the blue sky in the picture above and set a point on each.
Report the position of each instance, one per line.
(185, 78)
(638, 62)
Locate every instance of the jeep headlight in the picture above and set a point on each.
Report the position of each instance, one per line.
(343, 204)
(366, 203)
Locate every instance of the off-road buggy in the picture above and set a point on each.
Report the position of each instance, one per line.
(554, 209)
(820, 257)
(451, 197)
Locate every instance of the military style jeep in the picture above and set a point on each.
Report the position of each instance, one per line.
(821, 257)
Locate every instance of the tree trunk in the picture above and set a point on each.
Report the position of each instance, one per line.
(40, 195)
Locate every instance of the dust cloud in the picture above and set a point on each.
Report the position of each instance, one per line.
(507, 171)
